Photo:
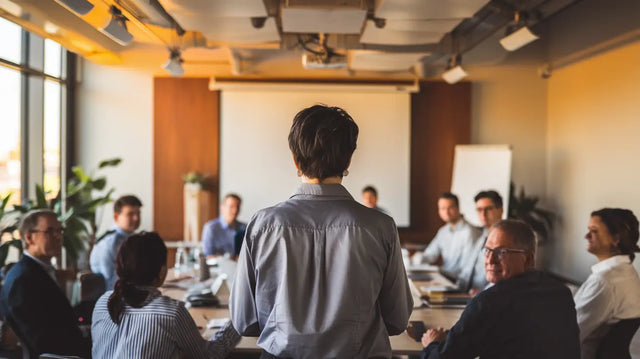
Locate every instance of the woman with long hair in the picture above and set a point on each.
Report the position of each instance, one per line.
(612, 291)
(136, 321)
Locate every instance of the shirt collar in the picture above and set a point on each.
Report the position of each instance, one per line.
(47, 267)
(120, 231)
(306, 190)
(610, 263)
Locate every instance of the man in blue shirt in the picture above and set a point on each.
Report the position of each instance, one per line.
(218, 235)
(126, 213)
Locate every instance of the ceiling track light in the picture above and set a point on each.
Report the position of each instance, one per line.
(80, 7)
(116, 29)
(174, 65)
(517, 34)
(454, 71)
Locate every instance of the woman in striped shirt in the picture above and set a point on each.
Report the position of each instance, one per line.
(136, 321)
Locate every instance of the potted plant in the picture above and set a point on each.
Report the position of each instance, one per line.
(524, 208)
(78, 215)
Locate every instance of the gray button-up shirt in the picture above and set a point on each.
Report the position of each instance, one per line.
(321, 276)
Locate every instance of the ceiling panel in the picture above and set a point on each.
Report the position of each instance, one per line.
(443, 25)
(230, 29)
(215, 8)
(374, 35)
(383, 61)
(427, 9)
(332, 21)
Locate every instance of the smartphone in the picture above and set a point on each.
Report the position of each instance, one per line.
(418, 330)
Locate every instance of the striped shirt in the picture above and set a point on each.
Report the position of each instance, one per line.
(162, 328)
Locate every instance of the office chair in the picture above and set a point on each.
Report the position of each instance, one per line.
(87, 289)
(616, 343)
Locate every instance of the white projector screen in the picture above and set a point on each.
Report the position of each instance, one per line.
(255, 161)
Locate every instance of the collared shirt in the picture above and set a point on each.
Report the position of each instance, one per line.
(103, 255)
(218, 237)
(455, 243)
(472, 274)
(321, 276)
(161, 328)
(529, 316)
(46, 266)
(610, 294)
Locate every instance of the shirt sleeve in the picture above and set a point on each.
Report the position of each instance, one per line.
(242, 304)
(433, 251)
(207, 239)
(104, 260)
(191, 343)
(395, 298)
(593, 306)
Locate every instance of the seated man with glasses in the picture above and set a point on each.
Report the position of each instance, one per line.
(524, 314)
(489, 209)
(31, 301)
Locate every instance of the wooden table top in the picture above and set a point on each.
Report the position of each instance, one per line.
(401, 344)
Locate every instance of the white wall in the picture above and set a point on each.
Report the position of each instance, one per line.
(114, 118)
(593, 149)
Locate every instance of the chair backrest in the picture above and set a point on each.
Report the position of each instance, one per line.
(616, 343)
(88, 287)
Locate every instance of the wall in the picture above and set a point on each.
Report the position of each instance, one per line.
(593, 148)
(509, 107)
(186, 132)
(114, 119)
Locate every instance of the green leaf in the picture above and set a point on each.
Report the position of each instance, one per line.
(110, 162)
(80, 174)
(5, 200)
(41, 199)
(100, 183)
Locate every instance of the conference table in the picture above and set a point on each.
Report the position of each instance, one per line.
(402, 344)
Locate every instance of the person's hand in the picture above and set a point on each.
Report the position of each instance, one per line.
(433, 335)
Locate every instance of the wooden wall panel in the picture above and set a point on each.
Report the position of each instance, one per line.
(185, 134)
(440, 119)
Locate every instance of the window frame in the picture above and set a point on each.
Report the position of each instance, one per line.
(32, 80)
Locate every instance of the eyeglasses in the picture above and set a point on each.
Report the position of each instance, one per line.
(485, 209)
(501, 252)
(50, 232)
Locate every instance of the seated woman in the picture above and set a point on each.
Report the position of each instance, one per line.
(136, 321)
(612, 291)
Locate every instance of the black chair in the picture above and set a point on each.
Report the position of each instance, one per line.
(615, 345)
(86, 291)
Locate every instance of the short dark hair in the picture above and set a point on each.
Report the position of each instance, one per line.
(492, 195)
(521, 233)
(30, 221)
(139, 261)
(232, 195)
(622, 224)
(128, 200)
(370, 189)
(322, 140)
(450, 196)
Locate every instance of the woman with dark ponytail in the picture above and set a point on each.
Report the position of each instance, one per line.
(136, 321)
(612, 291)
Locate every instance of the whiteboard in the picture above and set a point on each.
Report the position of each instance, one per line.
(479, 168)
(256, 163)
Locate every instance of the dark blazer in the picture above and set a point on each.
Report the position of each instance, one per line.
(530, 316)
(39, 313)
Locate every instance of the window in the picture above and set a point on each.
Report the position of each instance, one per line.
(10, 157)
(33, 89)
(10, 41)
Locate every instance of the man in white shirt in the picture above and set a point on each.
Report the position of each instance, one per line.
(454, 241)
(489, 209)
